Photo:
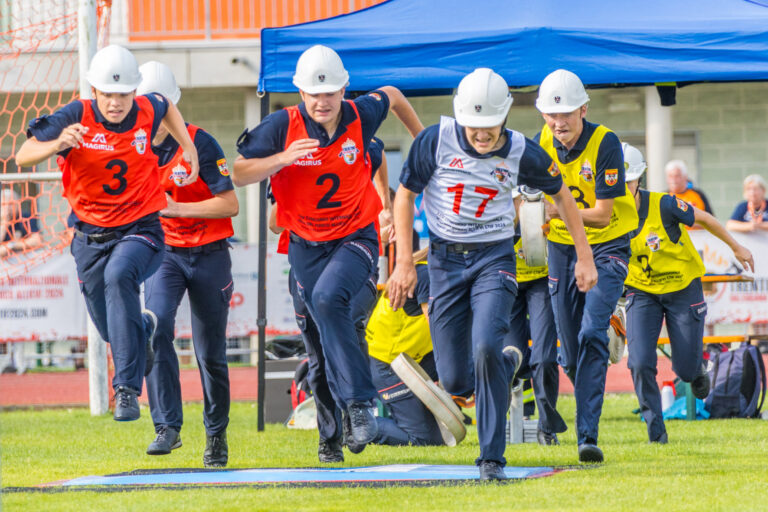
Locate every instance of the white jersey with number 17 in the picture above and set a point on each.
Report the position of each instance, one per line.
(469, 199)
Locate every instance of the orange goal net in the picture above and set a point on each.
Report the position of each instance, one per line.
(40, 73)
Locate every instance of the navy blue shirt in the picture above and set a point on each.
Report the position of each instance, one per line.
(208, 152)
(49, 127)
(422, 162)
(609, 156)
(375, 152)
(412, 306)
(742, 213)
(268, 137)
(672, 215)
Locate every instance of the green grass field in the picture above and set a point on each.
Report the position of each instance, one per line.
(707, 465)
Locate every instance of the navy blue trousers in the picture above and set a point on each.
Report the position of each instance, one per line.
(582, 321)
(532, 316)
(207, 277)
(471, 302)
(110, 276)
(685, 312)
(329, 275)
(410, 421)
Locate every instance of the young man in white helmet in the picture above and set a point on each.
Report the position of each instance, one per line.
(111, 181)
(664, 283)
(591, 162)
(197, 223)
(313, 154)
(467, 168)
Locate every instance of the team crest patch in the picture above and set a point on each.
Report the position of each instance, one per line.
(653, 241)
(375, 96)
(553, 170)
(682, 204)
(611, 177)
(586, 171)
(222, 165)
(140, 141)
(349, 151)
(501, 172)
(178, 175)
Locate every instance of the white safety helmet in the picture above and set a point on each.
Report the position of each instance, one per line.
(114, 69)
(634, 163)
(561, 92)
(320, 70)
(157, 77)
(482, 99)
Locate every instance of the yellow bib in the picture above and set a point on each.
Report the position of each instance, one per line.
(657, 265)
(524, 272)
(579, 177)
(390, 333)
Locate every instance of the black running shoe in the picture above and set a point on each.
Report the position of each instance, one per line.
(167, 439)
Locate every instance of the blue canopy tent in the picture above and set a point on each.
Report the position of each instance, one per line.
(427, 46)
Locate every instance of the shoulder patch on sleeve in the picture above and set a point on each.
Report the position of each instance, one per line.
(681, 204)
(222, 165)
(553, 170)
(375, 96)
(611, 177)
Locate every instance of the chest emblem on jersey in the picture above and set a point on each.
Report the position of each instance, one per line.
(653, 242)
(222, 165)
(553, 170)
(349, 151)
(501, 172)
(586, 171)
(682, 204)
(611, 177)
(178, 174)
(140, 141)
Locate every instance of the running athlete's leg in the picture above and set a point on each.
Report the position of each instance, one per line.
(592, 364)
(685, 312)
(493, 291)
(131, 262)
(90, 260)
(645, 315)
(210, 291)
(546, 376)
(163, 292)
(567, 304)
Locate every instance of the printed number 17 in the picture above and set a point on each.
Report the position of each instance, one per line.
(458, 190)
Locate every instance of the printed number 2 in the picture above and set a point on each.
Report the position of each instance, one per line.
(325, 201)
(119, 176)
(458, 190)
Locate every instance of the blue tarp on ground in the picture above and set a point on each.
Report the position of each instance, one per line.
(428, 45)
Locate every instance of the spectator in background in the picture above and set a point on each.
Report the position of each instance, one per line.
(751, 214)
(681, 186)
(19, 230)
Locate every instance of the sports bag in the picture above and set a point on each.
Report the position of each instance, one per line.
(738, 383)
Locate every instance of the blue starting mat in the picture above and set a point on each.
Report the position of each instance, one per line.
(405, 473)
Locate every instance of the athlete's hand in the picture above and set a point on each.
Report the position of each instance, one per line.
(401, 284)
(191, 158)
(172, 210)
(745, 257)
(71, 137)
(586, 274)
(296, 150)
(550, 211)
(386, 220)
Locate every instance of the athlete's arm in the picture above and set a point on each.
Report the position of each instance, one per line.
(254, 170)
(174, 123)
(33, 151)
(272, 223)
(402, 282)
(221, 205)
(585, 271)
(381, 183)
(401, 107)
(707, 221)
(597, 217)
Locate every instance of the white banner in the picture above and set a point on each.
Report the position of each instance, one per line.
(738, 302)
(46, 303)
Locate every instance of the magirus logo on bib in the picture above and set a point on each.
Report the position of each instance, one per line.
(178, 174)
(349, 151)
(140, 141)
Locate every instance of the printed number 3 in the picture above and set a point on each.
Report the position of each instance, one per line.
(119, 176)
(458, 190)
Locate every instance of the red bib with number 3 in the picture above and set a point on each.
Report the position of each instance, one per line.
(328, 194)
(112, 178)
